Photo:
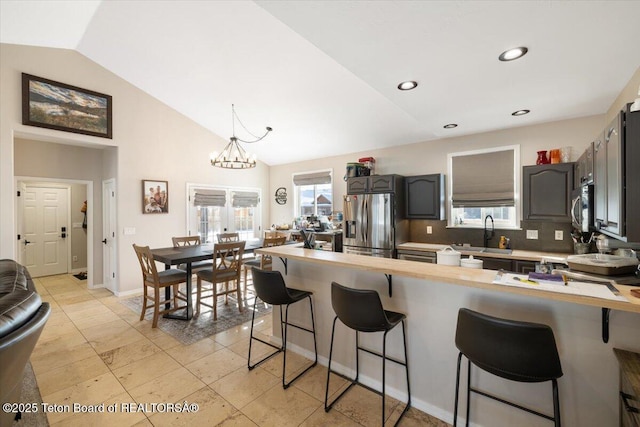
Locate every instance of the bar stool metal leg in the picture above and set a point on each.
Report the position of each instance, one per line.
(284, 323)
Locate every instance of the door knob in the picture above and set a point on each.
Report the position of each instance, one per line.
(26, 242)
(104, 241)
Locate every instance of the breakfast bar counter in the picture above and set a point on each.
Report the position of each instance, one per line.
(470, 277)
(431, 295)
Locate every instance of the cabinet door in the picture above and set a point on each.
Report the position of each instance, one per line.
(547, 192)
(600, 179)
(425, 196)
(524, 267)
(358, 185)
(382, 183)
(632, 179)
(613, 141)
(496, 263)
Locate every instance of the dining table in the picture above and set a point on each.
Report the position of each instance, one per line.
(187, 255)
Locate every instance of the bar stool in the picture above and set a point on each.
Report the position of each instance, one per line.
(362, 311)
(514, 350)
(270, 288)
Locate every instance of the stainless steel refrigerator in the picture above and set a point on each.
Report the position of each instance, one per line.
(372, 225)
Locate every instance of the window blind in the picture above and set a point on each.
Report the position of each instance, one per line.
(483, 180)
(312, 178)
(209, 197)
(244, 199)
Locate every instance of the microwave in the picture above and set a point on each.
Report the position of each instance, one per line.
(582, 215)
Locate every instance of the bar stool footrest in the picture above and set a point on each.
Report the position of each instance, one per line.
(507, 402)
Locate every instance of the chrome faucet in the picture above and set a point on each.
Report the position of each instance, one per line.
(486, 235)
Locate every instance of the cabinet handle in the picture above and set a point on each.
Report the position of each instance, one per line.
(624, 396)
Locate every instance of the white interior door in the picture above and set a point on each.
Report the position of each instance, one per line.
(109, 233)
(45, 225)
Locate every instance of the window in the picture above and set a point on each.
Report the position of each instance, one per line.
(313, 193)
(484, 182)
(217, 210)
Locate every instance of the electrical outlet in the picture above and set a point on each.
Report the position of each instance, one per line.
(559, 235)
(75, 258)
(429, 229)
(532, 234)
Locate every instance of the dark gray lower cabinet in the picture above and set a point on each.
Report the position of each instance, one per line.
(495, 263)
(546, 191)
(425, 197)
(524, 267)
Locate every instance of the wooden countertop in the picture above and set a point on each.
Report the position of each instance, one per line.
(460, 276)
(515, 254)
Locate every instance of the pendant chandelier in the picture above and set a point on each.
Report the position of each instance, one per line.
(234, 156)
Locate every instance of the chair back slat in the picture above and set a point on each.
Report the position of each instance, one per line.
(147, 264)
(185, 241)
(266, 260)
(359, 309)
(228, 257)
(228, 237)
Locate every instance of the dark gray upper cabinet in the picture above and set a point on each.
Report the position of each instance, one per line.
(632, 178)
(425, 197)
(373, 184)
(358, 185)
(547, 192)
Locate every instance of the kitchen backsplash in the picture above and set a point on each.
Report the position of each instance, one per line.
(546, 235)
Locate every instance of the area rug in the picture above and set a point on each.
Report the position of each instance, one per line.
(202, 326)
(31, 394)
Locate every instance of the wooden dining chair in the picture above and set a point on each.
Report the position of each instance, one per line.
(228, 237)
(226, 268)
(263, 262)
(185, 241)
(271, 234)
(151, 278)
(190, 241)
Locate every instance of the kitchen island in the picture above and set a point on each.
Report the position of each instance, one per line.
(431, 295)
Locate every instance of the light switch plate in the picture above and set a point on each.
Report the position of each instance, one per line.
(532, 234)
(559, 235)
(129, 231)
(429, 229)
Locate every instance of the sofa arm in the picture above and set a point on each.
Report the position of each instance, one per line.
(16, 309)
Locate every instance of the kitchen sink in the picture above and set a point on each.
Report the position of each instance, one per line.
(481, 249)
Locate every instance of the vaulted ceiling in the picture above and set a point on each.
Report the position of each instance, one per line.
(324, 74)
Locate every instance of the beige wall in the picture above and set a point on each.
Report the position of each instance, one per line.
(38, 159)
(431, 157)
(150, 141)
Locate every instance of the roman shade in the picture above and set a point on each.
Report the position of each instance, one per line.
(312, 178)
(483, 180)
(209, 197)
(244, 199)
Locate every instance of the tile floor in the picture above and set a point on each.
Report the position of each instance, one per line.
(94, 350)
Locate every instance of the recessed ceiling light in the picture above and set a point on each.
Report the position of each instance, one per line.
(511, 54)
(451, 126)
(408, 85)
(520, 112)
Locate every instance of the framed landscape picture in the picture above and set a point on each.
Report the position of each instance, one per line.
(155, 197)
(60, 106)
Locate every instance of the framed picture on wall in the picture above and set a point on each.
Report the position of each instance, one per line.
(155, 197)
(55, 105)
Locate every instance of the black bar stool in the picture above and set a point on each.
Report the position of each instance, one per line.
(514, 350)
(270, 288)
(362, 311)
